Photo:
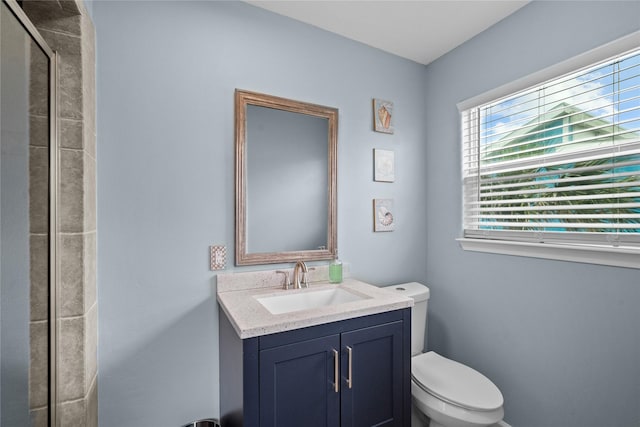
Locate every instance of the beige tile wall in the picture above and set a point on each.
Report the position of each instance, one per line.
(67, 28)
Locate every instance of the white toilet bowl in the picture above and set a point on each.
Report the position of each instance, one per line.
(452, 394)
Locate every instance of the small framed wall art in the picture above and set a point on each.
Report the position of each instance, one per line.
(383, 219)
(382, 116)
(384, 165)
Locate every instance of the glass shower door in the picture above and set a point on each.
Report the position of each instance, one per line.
(27, 223)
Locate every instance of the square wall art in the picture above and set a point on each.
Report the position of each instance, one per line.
(382, 116)
(383, 219)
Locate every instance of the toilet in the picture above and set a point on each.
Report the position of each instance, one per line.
(445, 393)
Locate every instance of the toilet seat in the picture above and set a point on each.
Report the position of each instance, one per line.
(455, 383)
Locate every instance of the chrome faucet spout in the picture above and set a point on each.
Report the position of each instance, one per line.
(300, 270)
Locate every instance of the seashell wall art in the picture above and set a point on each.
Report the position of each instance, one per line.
(382, 116)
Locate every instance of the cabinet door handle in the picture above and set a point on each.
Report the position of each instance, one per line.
(336, 374)
(350, 377)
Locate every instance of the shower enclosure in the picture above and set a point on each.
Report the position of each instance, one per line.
(28, 167)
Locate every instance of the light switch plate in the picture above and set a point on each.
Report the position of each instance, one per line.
(218, 257)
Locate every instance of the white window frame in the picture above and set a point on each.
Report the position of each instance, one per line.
(620, 256)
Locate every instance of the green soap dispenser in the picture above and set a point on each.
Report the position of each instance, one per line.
(335, 270)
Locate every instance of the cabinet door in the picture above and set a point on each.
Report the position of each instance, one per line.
(372, 367)
(297, 384)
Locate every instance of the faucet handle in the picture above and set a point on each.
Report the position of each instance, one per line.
(287, 283)
(305, 281)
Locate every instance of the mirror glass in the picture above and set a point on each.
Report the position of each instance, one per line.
(285, 179)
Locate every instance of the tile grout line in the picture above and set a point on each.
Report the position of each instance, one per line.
(80, 150)
(63, 33)
(77, 233)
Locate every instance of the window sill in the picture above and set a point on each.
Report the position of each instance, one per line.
(592, 254)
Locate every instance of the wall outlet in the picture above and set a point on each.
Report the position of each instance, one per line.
(218, 256)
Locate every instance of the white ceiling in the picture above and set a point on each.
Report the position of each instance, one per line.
(419, 30)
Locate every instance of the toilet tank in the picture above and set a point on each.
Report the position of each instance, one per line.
(420, 295)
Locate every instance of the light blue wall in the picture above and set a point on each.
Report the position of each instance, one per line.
(166, 74)
(560, 339)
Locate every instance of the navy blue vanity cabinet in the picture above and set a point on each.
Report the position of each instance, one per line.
(288, 379)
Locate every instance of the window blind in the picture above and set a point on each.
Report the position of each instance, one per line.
(559, 162)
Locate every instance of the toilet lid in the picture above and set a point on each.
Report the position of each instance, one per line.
(455, 383)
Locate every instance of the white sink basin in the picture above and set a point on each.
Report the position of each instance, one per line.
(305, 300)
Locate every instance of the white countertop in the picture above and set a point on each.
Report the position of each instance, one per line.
(250, 318)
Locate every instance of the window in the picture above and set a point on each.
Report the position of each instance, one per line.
(558, 164)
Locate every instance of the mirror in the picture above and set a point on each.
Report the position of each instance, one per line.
(286, 186)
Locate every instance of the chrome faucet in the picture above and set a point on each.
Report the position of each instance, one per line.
(299, 283)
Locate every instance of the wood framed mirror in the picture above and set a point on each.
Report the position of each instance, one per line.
(286, 179)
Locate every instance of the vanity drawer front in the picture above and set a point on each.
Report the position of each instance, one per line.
(296, 335)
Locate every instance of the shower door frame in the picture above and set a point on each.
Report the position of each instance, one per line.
(26, 23)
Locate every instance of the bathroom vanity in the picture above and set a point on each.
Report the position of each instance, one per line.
(344, 362)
